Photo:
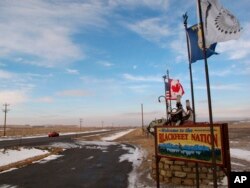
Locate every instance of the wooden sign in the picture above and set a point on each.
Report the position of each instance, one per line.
(191, 143)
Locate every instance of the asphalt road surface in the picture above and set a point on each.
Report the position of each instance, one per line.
(45, 140)
(83, 166)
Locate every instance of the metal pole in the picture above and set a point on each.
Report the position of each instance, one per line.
(208, 96)
(142, 121)
(165, 96)
(185, 17)
(5, 115)
(170, 104)
(80, 124)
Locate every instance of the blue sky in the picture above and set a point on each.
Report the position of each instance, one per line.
(99, 60)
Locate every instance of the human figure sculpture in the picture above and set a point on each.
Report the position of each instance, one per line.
(179, 115)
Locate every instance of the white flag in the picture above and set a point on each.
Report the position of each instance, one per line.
(219, 24)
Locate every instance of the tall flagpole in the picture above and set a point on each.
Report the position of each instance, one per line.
(165, 96)
(169, 90)
(185, 17)
(170, 104)
(208, 96)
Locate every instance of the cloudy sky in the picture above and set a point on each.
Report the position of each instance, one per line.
(99, 60)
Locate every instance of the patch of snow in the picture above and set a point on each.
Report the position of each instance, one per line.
(116, 135)
(238, 164)
(49, 158)
(97, 147)
(8, 171)
(245, 121)
(135, 156)
(224, 181)
(11, 156)
(7, 186)
(64, 145)
(88, 144)
(91, 135)
(98, 143)
(234, 142)
(91, 157)
(72, 133)
(240, 154)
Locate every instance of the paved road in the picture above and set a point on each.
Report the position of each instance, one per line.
(44, 140)
(84, 166)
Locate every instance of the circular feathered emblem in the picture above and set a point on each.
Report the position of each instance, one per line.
(226, 23)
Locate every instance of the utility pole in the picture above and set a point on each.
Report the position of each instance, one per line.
(5, 110)
(142, 121)
(80, 124)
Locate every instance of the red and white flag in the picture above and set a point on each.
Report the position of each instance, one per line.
(173, 89)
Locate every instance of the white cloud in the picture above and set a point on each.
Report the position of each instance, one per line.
(105, 63)
(178, 45)
(152, 4)
(30, 76)
(13, 97)
(138, 88)
(241, 69)
(72, 71)
(2, 64)
(221, 73)
(73, 93)
(152, 29)
(6, 75)
(223, 87)
(142, 78)
(90, 79)
(237, 49)
(45, 99)
(42, 30)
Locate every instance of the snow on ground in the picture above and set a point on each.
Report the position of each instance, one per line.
(11, 156)
(64, 145)
(240, 154)
(135, 156)
(237, 164)
(49, 158)
(116, 135)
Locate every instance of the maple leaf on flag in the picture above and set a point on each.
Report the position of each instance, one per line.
(176, 88)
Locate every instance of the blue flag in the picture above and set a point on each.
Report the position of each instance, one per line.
(196, 52)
